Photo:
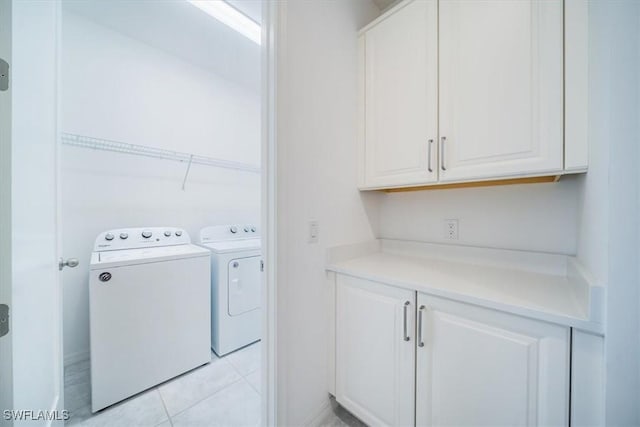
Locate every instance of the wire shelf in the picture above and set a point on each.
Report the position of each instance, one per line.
(156, 153)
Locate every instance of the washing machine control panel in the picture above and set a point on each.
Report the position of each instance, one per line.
(132, 238)
(218, 233)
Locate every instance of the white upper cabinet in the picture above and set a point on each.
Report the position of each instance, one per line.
(485, 80)
(401, 97)
(501, 88)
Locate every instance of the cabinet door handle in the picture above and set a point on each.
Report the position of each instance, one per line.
(406, 320)
(429, 150)
(442, 141)
(420, 338)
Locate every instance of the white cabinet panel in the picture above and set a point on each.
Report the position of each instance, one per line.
(576, 72)
(374, 359)
(587, 380)
(477, 366)
(501, 88)
(401, 93)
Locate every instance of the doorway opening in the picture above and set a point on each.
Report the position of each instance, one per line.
(160, 109)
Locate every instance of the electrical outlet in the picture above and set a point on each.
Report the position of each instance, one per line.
(451, 229)
(314, 231)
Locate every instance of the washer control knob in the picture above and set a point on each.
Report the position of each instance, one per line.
(178, 233)
(124, 236)
(146, 234)
(246, 229)
(108, 236)
(233, 229)
(253, 229)
(167, 233)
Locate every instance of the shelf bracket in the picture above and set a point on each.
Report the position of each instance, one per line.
(184, 181)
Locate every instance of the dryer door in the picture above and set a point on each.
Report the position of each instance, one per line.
(244, 285)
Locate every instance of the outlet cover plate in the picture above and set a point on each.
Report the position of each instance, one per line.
(451, 229)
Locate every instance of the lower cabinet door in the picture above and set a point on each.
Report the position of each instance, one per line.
(375, 351)
(479, 367)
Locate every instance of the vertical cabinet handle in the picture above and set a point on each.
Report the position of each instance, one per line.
(429, 150)
(420, 338)
(406, 320)
(442, 141)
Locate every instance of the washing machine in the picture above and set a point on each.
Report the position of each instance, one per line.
(236, 285)
(150, 318)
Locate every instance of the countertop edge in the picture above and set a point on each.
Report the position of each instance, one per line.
(577, 279)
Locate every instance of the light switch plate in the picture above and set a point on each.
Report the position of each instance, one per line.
(314, 232)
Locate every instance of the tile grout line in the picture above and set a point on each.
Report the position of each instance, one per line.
(233, 366)
(164, 405)
(211, 395)
(252, 387)
(238, 370)
(250, 384)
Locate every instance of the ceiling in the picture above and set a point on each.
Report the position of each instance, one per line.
(182, 30)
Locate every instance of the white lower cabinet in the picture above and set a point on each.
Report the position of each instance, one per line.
(375, 351)
(477, 366)
(404, 359)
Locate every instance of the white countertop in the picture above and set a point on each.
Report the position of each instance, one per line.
(542, 290)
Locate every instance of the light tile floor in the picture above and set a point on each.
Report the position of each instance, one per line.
(340, 417)
(225, 392)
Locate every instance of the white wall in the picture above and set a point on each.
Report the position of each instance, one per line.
(594, 216)
(535, 217)
(115, 87)
(316, 179)
(610, 244)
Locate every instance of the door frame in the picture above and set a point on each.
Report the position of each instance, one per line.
(6, 359)
(272, 380)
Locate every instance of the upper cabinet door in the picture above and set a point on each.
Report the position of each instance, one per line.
(400, 97)
(501, 88)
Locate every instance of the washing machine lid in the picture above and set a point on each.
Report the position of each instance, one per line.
(145, 255)
(234, 245)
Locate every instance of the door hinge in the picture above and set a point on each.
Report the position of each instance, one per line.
(4, 319)
(4, 75)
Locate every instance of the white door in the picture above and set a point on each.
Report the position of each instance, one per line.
(401, 97)
(477, 366)
(30, 46)
(375, 351)
(245, 285)
(501, 88)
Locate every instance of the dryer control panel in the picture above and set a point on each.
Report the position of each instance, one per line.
(219, 233)
(143, 237)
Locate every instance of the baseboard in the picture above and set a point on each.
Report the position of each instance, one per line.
(80, 356)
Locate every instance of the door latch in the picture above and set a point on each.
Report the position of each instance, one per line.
(4, 75)
(71, 262)
(4, 319)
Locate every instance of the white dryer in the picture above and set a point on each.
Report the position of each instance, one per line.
(149, 293)
(236, 285)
